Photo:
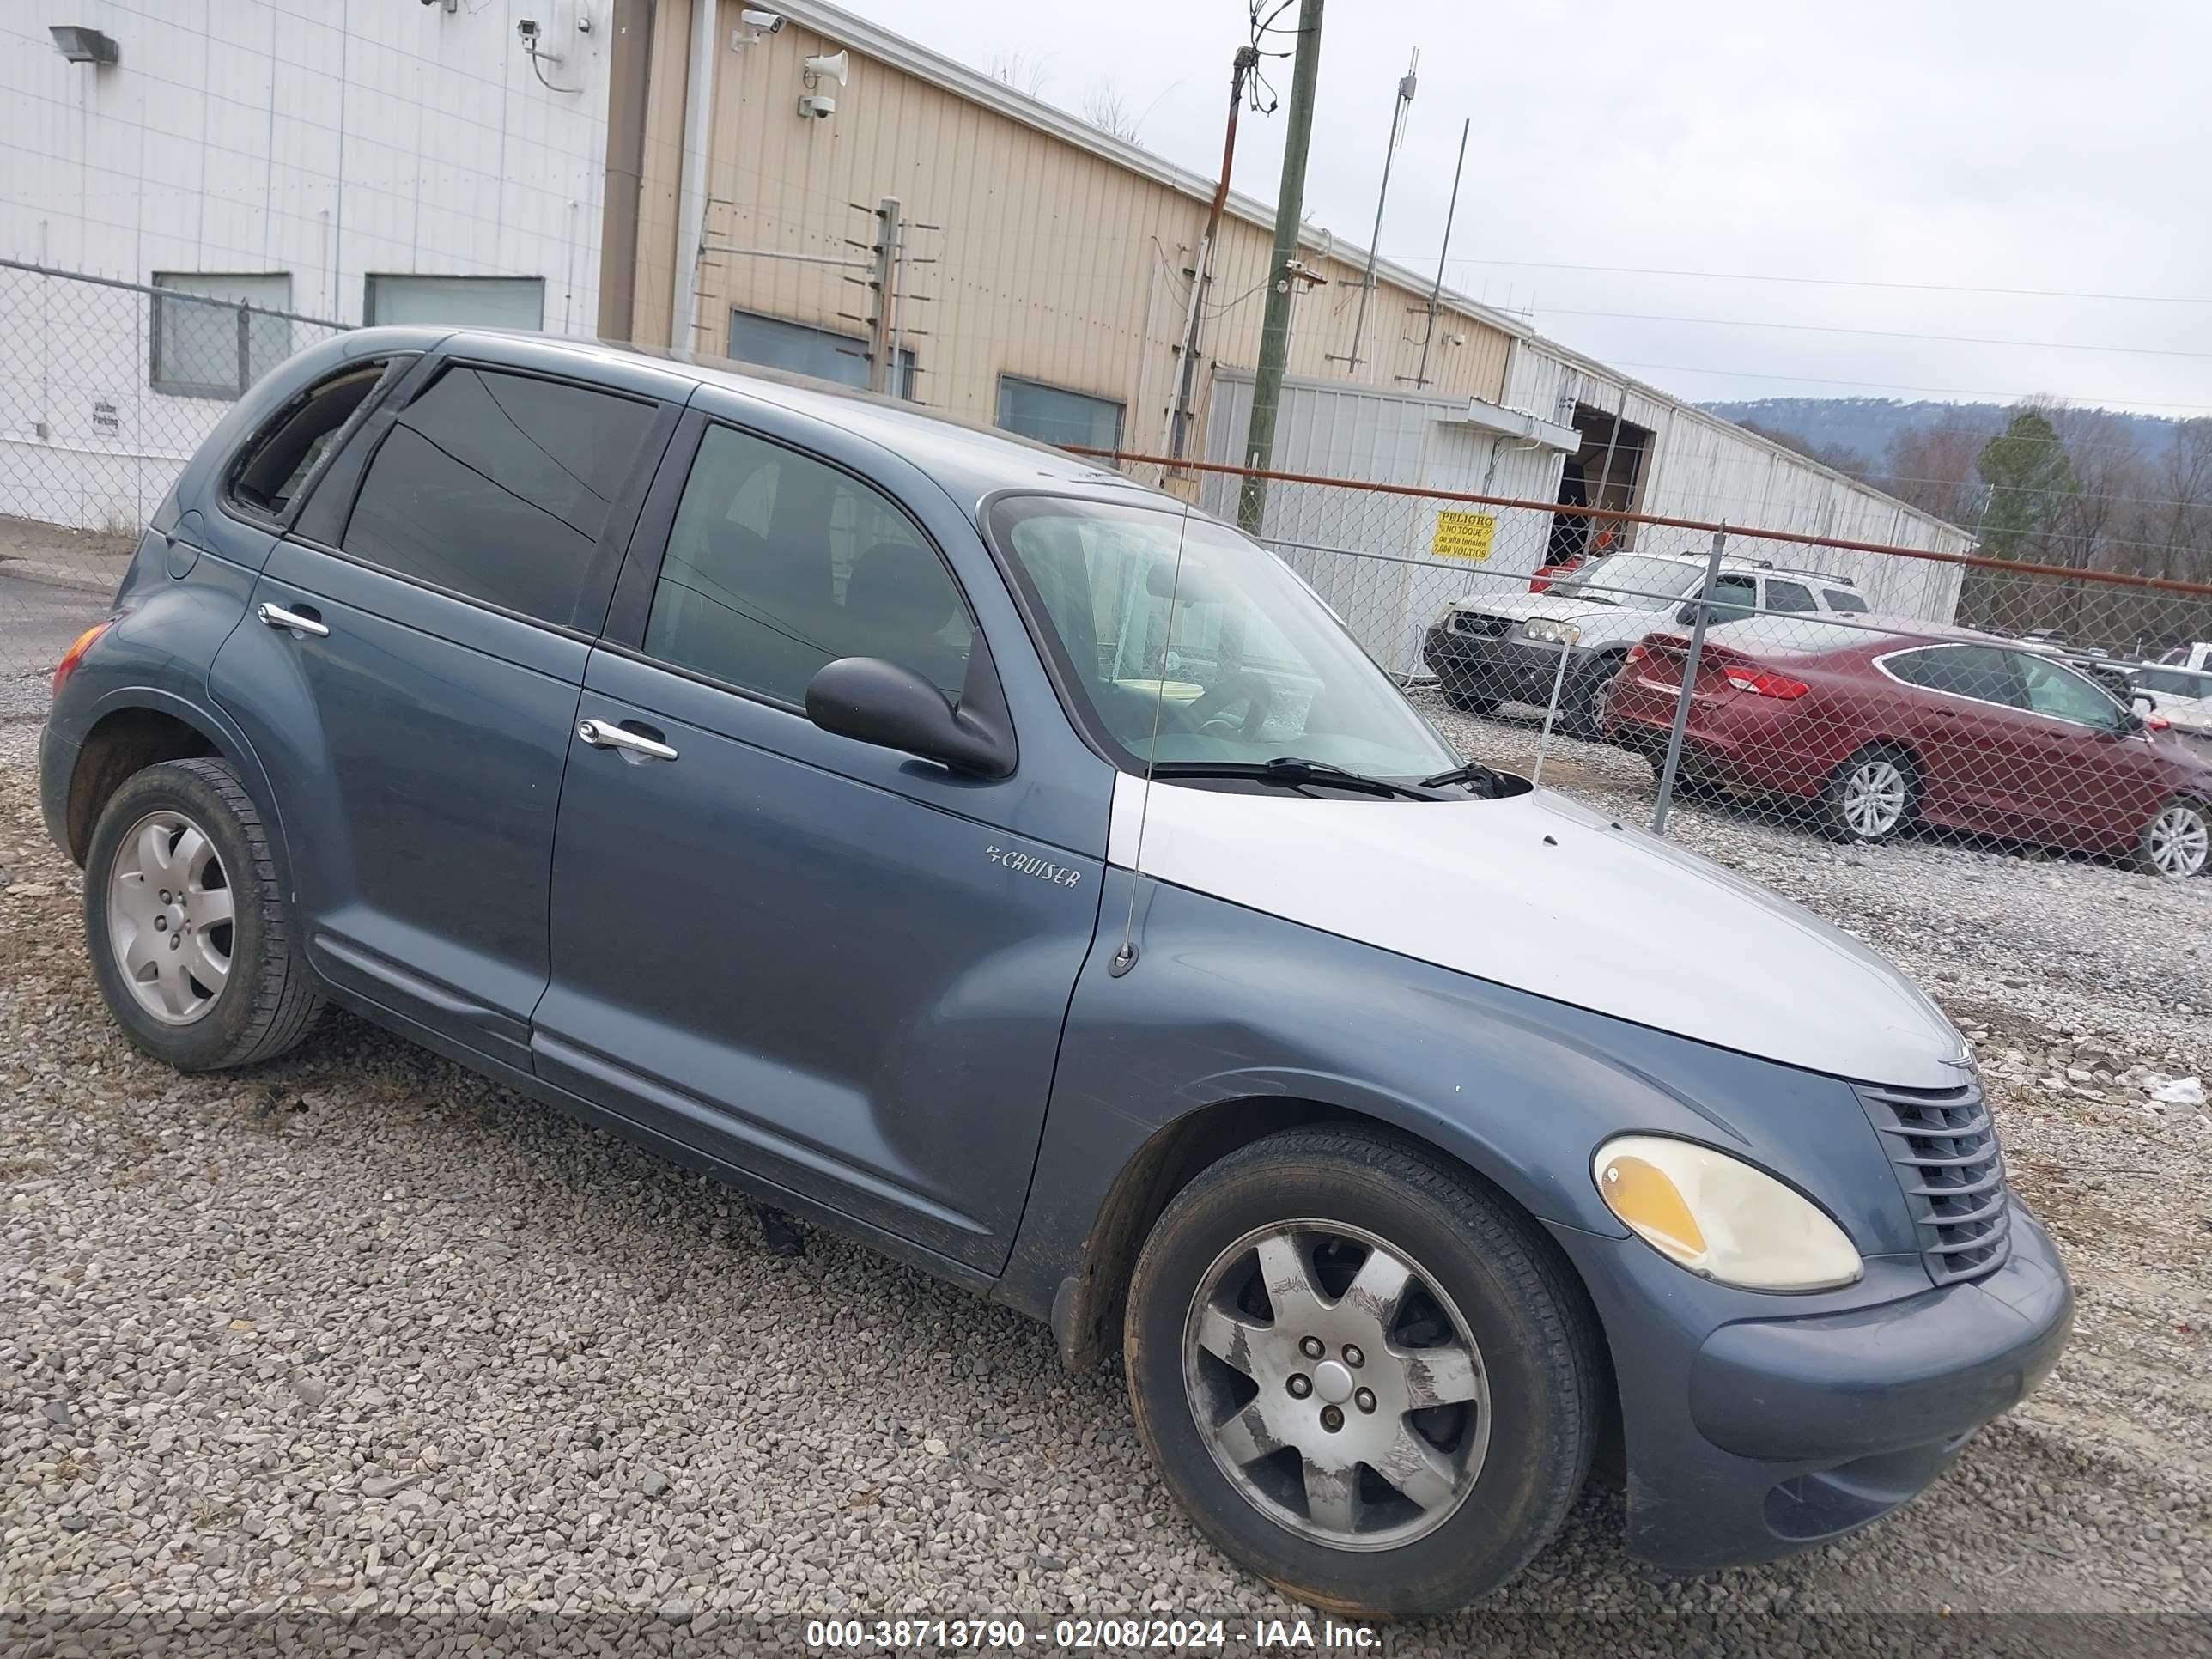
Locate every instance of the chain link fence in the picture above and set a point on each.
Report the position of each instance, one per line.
(1864, 692)
(106, 389)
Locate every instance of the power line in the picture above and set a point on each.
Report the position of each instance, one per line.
(1825, 282)
(1883, 333)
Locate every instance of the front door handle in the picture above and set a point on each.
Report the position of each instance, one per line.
(601, 734)
(299, 622)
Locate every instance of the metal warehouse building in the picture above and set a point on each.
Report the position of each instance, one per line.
(1057, 289)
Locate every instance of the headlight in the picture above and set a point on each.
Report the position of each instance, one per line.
(1551, 632)
(1719, 1216)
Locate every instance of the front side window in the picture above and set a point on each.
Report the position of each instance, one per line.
(496, 486)
(1734, 597)
(1052, 415)
(1639, 581)
(212, 337)
(1183, 640)
(2063, 695)
(778, 563)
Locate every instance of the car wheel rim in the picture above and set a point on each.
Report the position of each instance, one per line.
(2180, 841)
(1336, 1385)
(1874, 798)
(171, 917)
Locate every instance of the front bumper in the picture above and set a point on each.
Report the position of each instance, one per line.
(1748, 1437)
(1505, 668)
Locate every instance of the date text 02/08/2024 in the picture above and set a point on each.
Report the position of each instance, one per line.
(1265, 1636)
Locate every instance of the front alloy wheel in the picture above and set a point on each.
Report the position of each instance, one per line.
(1368, 1377)
(1336, 1384)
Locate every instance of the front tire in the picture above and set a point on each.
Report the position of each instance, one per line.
(1581, 714)
(1869, 798)
(2177, 842)
(190, 937)
(1367, 1378)
(1468, 702)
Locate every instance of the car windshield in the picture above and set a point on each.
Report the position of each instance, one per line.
(1220, 655)
(1641, 582)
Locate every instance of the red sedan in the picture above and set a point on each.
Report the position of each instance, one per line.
(1942, 727)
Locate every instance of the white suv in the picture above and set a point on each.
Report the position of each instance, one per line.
(1498, 648)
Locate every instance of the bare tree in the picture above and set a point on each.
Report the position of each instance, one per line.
(1103, 108)
(1024, 75)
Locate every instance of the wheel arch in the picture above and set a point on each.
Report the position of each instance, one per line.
(131, 729)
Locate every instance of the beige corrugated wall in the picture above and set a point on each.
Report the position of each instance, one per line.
(1051, 262)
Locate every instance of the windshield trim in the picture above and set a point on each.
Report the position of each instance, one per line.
(992, 520)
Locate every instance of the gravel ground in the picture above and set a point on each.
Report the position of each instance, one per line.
(359, 1333)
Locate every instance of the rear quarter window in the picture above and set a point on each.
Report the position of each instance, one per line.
(1840, 598)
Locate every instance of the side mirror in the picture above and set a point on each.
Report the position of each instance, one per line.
(871, 701)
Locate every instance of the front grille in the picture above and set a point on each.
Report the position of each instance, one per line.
(1944, 1145)
(1480, 626)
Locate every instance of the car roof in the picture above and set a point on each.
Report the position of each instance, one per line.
(1792, 635)
(967, 460)
(1740, 566)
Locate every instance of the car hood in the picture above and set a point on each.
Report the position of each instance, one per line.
(1538, 892)
(1522, 607)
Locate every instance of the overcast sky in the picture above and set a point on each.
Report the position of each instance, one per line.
(2030, 144)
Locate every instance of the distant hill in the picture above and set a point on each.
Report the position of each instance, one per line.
(1868, 426)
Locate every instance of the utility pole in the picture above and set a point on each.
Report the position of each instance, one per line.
(1247, 60)
(1275, 329)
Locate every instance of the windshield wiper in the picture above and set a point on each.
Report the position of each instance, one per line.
(1291, 771)
(1470, 772)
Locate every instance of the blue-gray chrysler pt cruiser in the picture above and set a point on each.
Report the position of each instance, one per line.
(953, 842)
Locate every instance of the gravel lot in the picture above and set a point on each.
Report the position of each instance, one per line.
(361, 1332)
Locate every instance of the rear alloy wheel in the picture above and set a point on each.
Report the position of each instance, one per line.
(189, 933)
(1367, 1378)
(1870, 797)
(2178, 841)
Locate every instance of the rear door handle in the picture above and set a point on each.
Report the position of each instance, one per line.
(602, 734)
(300, 622)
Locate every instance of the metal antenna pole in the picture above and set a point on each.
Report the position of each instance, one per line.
(1421, 375)
(1407, 84)
(1246, 59)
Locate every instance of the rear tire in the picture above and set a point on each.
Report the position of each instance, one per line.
(1870, 798)
(1342, 1270)
(191, 938)
(2177, 842)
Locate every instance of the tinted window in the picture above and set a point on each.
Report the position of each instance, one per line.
(497, 487)
(1963, 671)
(1056, 417)
(1842, 598)
(1789, 596)
(778, 563)
(2063, 695)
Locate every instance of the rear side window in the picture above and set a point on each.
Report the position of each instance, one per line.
(497, 487)
(778, 563)
(1789, 596)
(1841, 599)
(1963, 671)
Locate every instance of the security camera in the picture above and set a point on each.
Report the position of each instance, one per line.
(768, 22)
(819, 106)
(527, 28)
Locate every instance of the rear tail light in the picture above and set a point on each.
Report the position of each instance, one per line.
(1765, 682)
(75, 655)
(1637, 652)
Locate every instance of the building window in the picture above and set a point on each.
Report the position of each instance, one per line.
(205, 344)
(460, 301)
(1071, 419)
(821, 354)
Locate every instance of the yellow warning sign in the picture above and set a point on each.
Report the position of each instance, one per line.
(1464, 535)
